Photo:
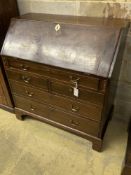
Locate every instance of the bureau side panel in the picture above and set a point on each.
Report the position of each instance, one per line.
(5, 97)
(113, 83)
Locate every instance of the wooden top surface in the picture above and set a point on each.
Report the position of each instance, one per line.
(82, 47)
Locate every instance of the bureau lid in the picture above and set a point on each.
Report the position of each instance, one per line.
(89, 49)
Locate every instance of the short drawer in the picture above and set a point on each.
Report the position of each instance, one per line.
(69, 76)
(87, 110)
(28, 79)
(72, 121)
(84, 94)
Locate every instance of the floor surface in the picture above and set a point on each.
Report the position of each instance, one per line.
(31, 147)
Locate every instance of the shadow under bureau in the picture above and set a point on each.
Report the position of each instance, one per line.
(64, 74)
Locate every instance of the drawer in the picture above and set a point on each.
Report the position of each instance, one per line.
(86, 110)
(72, 121)
(84, 94)
(31, 106)
(28, 79)
(71, 77)
(75, 122)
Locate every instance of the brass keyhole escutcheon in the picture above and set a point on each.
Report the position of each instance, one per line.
(57, 27)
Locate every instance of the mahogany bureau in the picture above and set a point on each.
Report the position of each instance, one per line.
(64, 74)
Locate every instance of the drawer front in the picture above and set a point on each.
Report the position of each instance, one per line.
(86, 110)
(84, 94)
(59, 74)
(30, 106)
(28, 79)
(72, 121)
(75, 122)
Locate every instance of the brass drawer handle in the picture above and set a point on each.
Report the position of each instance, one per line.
(75, 108)
(74, 123)
(32, 108)
(26, 79)
(74, 80)
(30, 94)
(24, 67)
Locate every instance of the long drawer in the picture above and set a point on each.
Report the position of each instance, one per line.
(55, 87)
(86, 110)
(72, 121)
(88, 81)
